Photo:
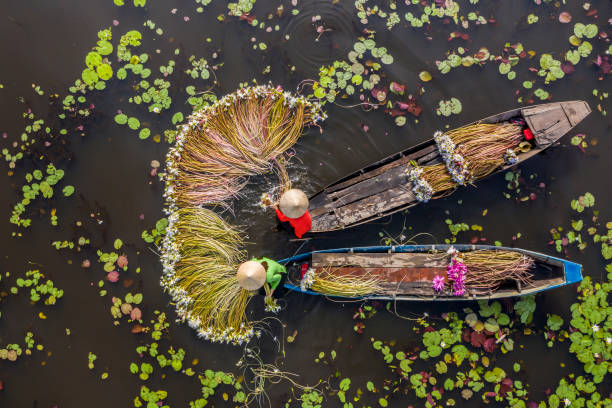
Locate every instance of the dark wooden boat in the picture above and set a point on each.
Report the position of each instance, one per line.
(407, 271)
(383, 188)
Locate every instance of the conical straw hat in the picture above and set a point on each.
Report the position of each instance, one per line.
(251, 275)
(293, 203)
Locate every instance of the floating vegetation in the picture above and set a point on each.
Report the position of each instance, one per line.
(592, 321)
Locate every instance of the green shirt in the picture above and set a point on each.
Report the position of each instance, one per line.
(273, 271)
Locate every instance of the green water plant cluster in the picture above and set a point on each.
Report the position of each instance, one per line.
(136, 64)
(460, 357)
(579, 230)
(156, 234)
(344, 78)
(131, 38)
(152, 399)
(449, 107)
(592, 325)
(41, 184)
(97, 62)
(199, 68)
(10, 352)
(241, 7)
(416, 12)
(127, 307)
(40, 290)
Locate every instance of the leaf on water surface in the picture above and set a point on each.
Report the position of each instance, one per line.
(144, 133)
(89, 76)
(68, 190)
(121, 119)
(133, 123)
(104, 71)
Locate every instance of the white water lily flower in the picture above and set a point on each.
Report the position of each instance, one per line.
(595, 328)
(567, 402)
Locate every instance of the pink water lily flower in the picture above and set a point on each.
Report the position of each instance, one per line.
(438, 283)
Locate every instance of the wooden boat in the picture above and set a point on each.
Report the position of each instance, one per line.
(407, 271)
(383, 188)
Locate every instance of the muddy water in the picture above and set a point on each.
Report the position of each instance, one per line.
(45, 43)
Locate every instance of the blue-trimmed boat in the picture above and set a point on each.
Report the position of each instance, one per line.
(405, 272)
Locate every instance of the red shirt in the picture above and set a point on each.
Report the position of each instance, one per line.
(301, 225)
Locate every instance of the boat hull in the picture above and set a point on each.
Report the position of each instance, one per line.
(383, 188)
(568, 272)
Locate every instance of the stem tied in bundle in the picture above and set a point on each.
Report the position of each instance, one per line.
(201, 254)
(331, 283)
(488, 269)
(243, 134)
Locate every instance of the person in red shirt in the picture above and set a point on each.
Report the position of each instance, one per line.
(293, 207)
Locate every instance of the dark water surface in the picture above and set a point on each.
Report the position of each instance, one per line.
(45, 42)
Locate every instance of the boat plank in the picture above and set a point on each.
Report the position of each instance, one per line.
(371, 186)
(379, 260)
(374, 205)
(576, 111)
(325, 222)
(380, 170)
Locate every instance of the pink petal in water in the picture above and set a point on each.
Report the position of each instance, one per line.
(113, 276)
(565, 17)
(122, 261)
(135, 314)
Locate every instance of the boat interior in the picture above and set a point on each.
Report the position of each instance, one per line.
(383, 188)
(409, 275)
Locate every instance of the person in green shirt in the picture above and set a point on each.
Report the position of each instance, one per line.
(274, 271)
(258, 272)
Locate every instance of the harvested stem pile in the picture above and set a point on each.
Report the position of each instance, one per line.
(201, 255)
(438, 178)
(469, 153)
(244, 134)
(484, 146)
(333, 284)
(488, 269)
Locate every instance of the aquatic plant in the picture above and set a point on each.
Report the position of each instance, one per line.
(200, 255)
(38, 289)
(488, 269)
(592, 324)
(485, 146)
(328, 282)
(157, 233)
(243, 134)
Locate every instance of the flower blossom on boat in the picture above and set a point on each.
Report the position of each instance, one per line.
(421, 188)
(510, 157)
(446, 147)
(438, 283)
(455, 163)
(308, 280)
(456, 271)
(458, 168)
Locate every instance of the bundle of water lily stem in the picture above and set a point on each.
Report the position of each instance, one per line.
(468, 273)
(243, 134)
(469, 153)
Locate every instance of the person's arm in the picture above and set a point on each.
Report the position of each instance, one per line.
(281, 216)
(275, 280)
